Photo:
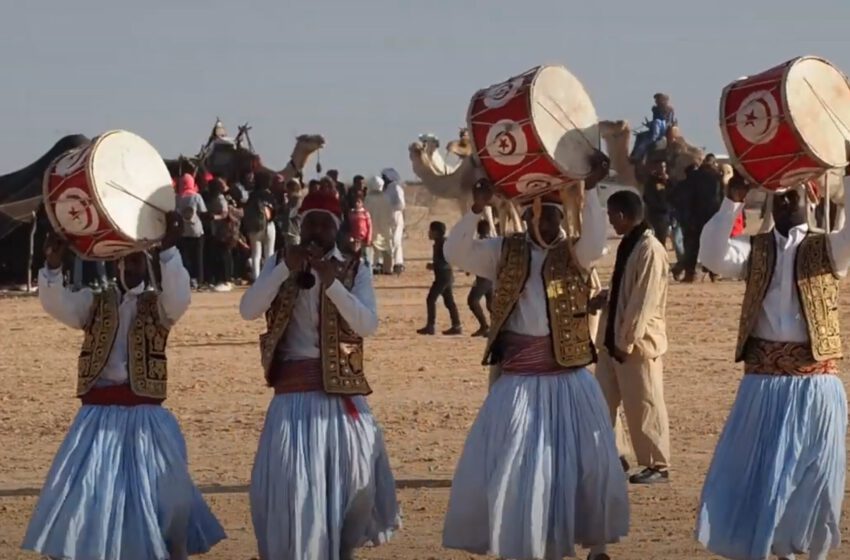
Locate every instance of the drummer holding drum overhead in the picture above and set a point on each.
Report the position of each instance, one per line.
(119, 487)
(776, 482)
(540, 473)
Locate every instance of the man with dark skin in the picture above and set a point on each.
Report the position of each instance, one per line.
(698, 198)
(544, 423)
(120, 486)
(776, 482)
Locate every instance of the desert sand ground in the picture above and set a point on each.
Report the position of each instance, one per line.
(427, 393)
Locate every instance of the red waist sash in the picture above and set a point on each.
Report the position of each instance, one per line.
(528, 355)
(766, 357)
(116, 395)
(303, 376)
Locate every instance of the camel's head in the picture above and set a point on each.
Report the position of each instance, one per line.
(430, 142)
(310, 142)
(614, 129)
(305, 146)
(462, 147)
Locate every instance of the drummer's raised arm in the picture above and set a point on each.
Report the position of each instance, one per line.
(70, 308)
(594, 235)
(176, 292)
(718, 252)
(476, 256)
(257, 299)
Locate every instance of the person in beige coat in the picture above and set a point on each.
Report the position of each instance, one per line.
(634, 338)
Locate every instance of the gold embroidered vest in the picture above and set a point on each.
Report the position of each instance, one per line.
(146, 341)
(567, 294)
(817, 288)
(341, 348)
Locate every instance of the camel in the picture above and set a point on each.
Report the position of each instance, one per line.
(430, 145)
(232, 158)
(679, 154)
(455, 183)
(458, 182)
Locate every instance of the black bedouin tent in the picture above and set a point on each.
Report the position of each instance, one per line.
(20, 205)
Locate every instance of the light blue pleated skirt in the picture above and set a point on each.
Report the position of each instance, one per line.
(119, 489)
(321, 482)
(777, 478)
(539, 473)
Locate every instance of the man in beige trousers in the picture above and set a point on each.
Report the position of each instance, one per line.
(630, 368)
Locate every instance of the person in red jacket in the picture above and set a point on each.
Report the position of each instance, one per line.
(360, 225)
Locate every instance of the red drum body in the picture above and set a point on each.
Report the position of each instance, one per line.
(109, 199)
(787, 125)
(535, 132)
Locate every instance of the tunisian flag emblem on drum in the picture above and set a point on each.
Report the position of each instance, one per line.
(789, 124)
(535, 132)
(109, 198)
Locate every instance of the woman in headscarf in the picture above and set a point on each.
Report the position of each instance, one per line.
(191, 206)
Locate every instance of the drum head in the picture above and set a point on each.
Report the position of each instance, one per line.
(133, 185)
(564, 120)
(818, 99)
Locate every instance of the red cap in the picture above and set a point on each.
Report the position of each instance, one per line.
(321, 201)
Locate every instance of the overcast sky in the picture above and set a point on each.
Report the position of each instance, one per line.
(371, 75)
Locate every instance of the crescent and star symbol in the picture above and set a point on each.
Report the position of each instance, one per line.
(757, 119)
(75, 213)
(506, 143)
(500, 94)
(537, 183)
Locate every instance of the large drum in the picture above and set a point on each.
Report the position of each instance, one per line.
(535, 132)
(109, 198)
(789, 124)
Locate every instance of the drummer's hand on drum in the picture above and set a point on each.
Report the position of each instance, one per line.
(54, 251)
(482, 195)
(173, 230)
(599, 167)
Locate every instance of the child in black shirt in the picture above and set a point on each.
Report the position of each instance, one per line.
(442, 286)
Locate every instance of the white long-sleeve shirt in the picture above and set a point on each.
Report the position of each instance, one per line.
(781, 318)
(394, 194)
(481, 257)
(74, 308)
(301, 339)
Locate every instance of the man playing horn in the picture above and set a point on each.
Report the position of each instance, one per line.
(321, 484)
(776, 482)
(119, 487)
(539, 473)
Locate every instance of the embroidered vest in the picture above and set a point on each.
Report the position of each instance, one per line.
(567, 294)
(341, 348)
(817, 288)
(147, 338)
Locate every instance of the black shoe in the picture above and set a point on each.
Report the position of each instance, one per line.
(625, 464)
(454, 331)
(602, 556)
(426, 330)
(650, 476)
(482, 332)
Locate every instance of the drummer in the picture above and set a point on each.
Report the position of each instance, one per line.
(119, 487)
(544, 425)
(776, 482)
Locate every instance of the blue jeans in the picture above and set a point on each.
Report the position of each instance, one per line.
(645, 139)
(678, 240)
